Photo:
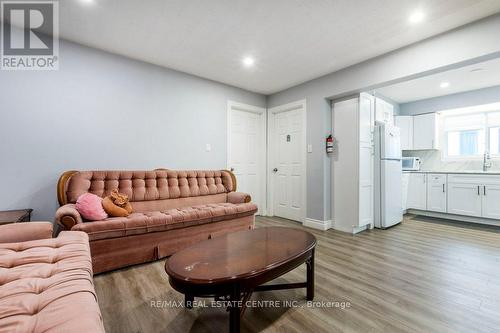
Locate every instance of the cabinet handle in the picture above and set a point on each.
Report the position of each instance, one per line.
(443, 188)
(484, 190)
(478, 189)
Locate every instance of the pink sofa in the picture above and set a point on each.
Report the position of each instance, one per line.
(172, 210)
(46, 283)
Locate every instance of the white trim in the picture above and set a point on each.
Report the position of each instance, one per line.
(352, 229)
(231, 105)
(297, 105)
(318, 224)
(462, 218)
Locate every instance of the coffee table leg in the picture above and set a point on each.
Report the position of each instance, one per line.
(234, 310)
(310, 277)
(188, 301)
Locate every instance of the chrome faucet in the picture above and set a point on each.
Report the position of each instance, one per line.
(486, 161)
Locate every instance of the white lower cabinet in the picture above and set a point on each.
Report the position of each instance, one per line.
(472, 195)
(464, 199)
(436, 192)
(491, 201)
(417, 191)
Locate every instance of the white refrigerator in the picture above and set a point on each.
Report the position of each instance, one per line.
(388, 176)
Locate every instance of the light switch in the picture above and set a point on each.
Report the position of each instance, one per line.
(309, 148)
(208, 147)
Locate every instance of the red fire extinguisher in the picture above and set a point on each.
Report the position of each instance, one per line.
(329, 144)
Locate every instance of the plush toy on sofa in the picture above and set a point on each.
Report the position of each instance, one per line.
(117, 204)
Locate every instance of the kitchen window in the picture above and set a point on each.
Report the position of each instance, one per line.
(468, 136)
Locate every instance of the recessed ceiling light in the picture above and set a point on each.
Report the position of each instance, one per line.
(444, 85)
(87, 2)
(416, 17)
(248, 61)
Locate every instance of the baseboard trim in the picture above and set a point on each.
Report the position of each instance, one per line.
(352, 229)
(462, 218)
(317, 224)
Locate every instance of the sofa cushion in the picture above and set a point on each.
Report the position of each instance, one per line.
(141, 223)
(149, 185)
(46, 286)
(90, 207)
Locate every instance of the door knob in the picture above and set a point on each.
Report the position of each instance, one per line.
(275, 169)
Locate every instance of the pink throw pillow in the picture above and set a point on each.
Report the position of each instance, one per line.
(90, 207)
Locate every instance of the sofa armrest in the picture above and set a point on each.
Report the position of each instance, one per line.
(23, 232)
(67, 216)
(238, 197)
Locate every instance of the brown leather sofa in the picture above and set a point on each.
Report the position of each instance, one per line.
(172, 210)
(46, 283)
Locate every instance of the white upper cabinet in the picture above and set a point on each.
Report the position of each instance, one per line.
(425, 132)
(384, 111)
(405, 124)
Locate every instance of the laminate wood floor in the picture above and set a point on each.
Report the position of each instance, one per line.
(424, 275)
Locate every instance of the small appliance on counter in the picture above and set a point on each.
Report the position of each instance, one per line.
(410, 163)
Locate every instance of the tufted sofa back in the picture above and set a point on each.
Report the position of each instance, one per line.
(161, 184)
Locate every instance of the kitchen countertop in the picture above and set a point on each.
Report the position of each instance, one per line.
(468, 172)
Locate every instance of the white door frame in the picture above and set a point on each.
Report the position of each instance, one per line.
(297, 105)
(231, 105)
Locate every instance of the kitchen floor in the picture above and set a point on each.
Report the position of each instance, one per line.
(424, 275)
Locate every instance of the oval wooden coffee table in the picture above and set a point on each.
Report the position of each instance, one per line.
(232, 266)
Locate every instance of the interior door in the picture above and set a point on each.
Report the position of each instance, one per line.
(288, 164)
(246, 151)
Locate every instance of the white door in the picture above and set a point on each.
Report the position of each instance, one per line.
(287, 160)
(464, 199)
(417, 191)
(246, 150)
(436, 193)
(405, 124)
(425, 131)
(491, 201)
(365, 163)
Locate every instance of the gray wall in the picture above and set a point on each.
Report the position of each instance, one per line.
(460, 100)
(446, 51)
(102, 111)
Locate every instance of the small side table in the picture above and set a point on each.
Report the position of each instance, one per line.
(15, 216)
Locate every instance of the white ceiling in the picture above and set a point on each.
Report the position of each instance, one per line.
(482, 75)
(292, 41)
